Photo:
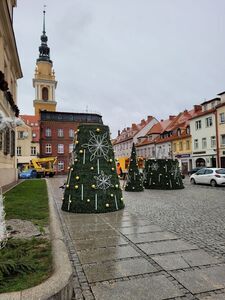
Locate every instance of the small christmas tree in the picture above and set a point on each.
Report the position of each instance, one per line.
(134, 180)
(3, 231)
(93, 185)
(162, 174)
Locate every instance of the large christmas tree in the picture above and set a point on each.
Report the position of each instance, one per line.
(162, 174)
(134, 180)
(93, 185)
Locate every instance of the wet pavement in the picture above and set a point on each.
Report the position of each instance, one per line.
(122, 255)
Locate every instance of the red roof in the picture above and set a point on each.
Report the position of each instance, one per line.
(129, 132)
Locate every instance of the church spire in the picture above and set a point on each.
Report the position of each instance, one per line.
(44, 50)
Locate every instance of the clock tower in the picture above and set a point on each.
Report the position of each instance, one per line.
(44, 78)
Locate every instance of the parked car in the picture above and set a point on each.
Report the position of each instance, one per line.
(194, 170)
(212, 176)
(31, 173)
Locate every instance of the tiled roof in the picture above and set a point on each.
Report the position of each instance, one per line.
(129, 132)
(202, 113)
(211, 100)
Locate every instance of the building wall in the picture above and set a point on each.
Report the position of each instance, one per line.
(208, 152)
(163, 150)
(10, 67)
(182, 151)
(221, 131)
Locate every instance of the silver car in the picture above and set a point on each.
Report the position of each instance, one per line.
(212, 176)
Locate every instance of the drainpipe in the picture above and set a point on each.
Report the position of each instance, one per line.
(217, 141)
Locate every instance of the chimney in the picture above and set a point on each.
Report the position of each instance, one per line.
(171, 117)
(142, 121)
(197, 108)
(118, 132)
(149, 118)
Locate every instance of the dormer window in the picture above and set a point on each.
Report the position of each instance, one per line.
(188, 131)
(178, 132)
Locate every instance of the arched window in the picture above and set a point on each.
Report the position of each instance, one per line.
(45, 94)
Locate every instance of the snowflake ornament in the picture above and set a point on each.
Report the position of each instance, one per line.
(103, 182)
(154, 166)
(98, 145)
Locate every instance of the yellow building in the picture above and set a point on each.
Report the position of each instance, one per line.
(10, 71)
(220, 117)
(182, 150)
(44, 79)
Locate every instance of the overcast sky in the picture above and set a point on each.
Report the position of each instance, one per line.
(125, 58)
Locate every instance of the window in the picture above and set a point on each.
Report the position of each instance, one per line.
(71, 133)
(208, 122)
(12, 144)
(213, 141)
(48, 132)
(60, 165)
(45, 94)
(178, 132)
(180, 146)
(222, 139)
(60, 148)
(188, 131)
(174, 147)
(204, 143)
(198, 124)
(48, 148)
(208, 171)
(70, 148)
(222, 118)
(1, 140)
(187, 145)
(33, 150)
(18, 151)
(196, 144)
(60, 132)
(204, 107)
(20, 135)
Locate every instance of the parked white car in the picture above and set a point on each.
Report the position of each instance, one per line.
(212, 176)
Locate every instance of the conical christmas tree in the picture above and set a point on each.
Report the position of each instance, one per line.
(93, 184)
(134, 180)
(162, 174)
(3, 231)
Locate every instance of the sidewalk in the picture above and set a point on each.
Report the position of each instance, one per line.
(123, 256)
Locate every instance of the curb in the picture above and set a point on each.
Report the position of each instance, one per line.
(59, 285)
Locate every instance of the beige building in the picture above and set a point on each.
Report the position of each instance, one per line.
(10, 71)
(220, 117)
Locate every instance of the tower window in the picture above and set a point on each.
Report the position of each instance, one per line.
(45, 94)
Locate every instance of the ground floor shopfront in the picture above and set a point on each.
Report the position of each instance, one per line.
(185, 162)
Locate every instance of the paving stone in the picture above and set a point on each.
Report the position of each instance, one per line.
(100, 242)
(112, 270)
(151, 237)
(152, 288)
(93, 234)
(131, 223)
(90, 227)
(185, 260)
(103, 254)
(166, 246)
(200, 281)
(212, 297)
(140, 229)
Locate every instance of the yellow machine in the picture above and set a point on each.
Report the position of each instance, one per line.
(44, 166)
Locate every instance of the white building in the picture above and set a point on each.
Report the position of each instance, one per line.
(203, 131)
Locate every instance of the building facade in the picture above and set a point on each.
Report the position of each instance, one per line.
(57, 135)
(220, 120)
(125, 139)
(10, 72)
(203, 131)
